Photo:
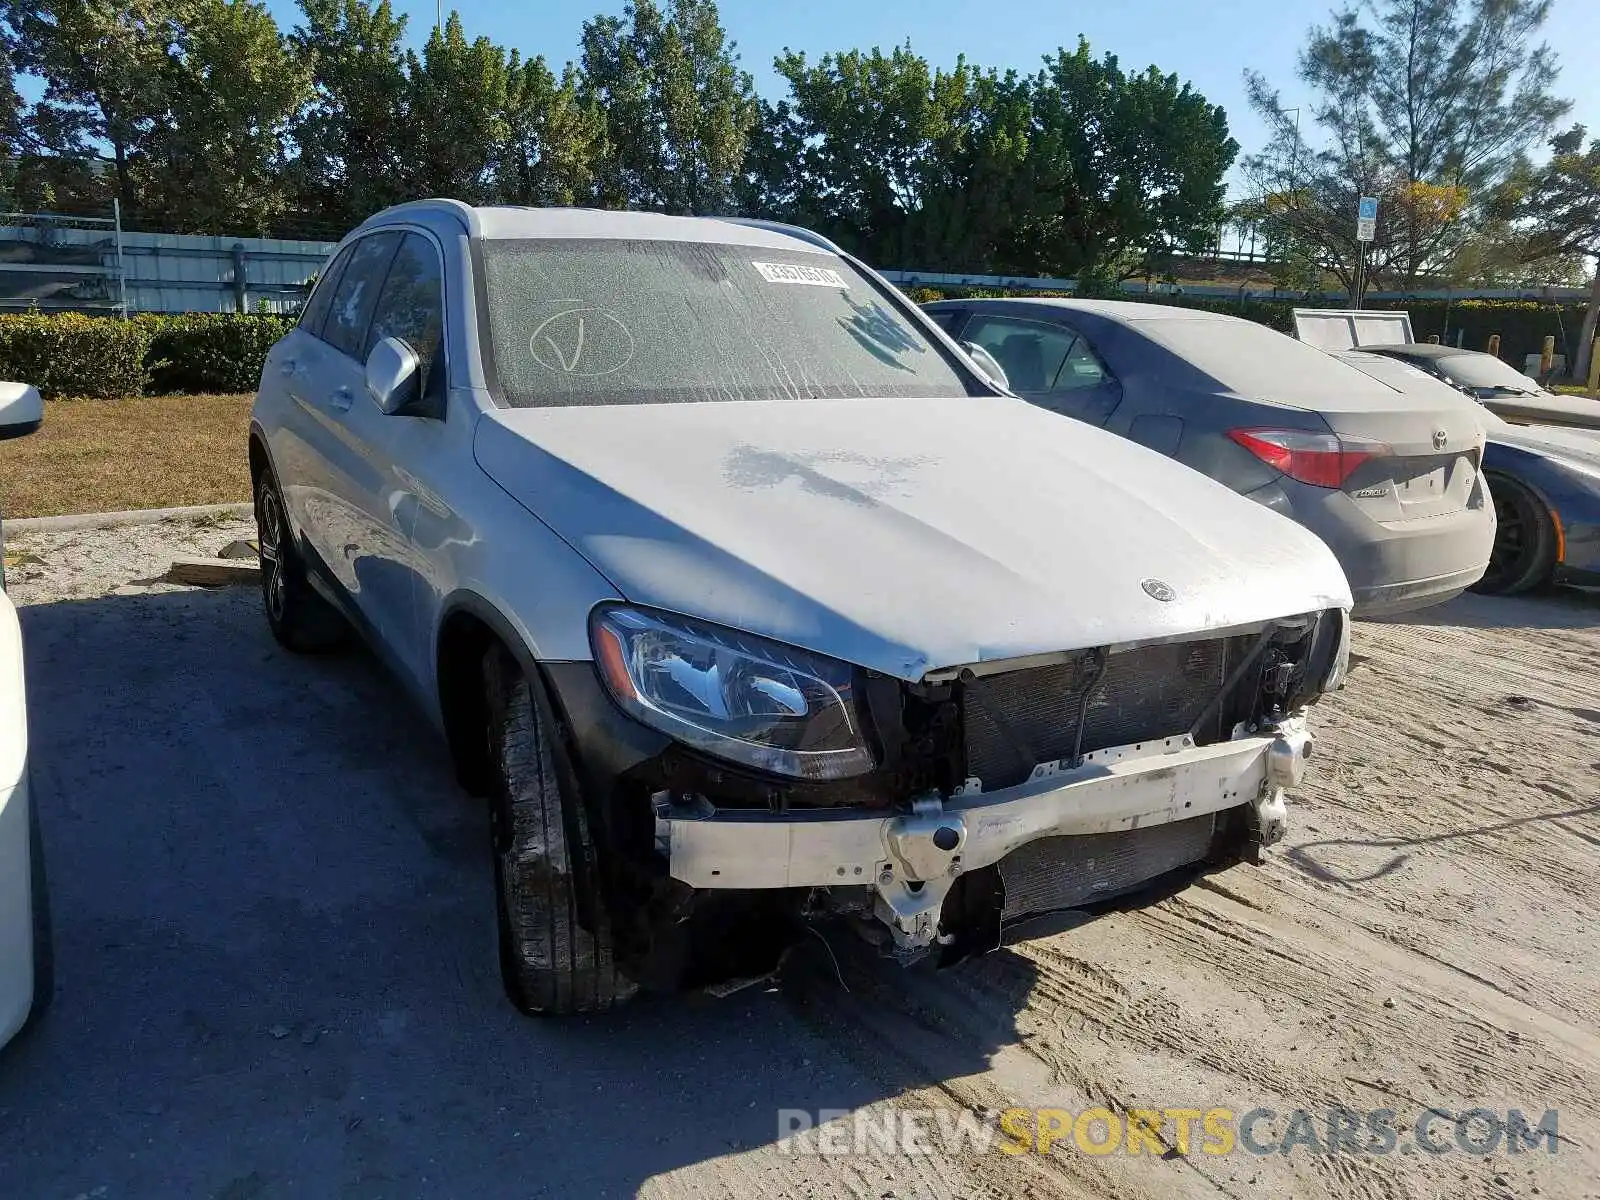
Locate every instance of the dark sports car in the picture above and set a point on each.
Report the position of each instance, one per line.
(1496, 384)
(1546, 488)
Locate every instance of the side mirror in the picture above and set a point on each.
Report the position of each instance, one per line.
(21, 409)
(394, 376)
(985, 362)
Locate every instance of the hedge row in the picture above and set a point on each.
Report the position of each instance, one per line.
(69, 354)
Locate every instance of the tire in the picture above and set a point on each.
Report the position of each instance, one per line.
(556, 954)
(300, 619)
(1524, 542)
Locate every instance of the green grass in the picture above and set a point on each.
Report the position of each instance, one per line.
(146, 452)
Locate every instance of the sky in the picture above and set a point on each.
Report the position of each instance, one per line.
(1209, 43)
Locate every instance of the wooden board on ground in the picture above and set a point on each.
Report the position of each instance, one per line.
(213, 572)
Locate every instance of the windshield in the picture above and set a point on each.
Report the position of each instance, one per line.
(604, 321)
(1485, 371)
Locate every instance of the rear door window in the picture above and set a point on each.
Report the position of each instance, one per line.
(356, 293)
(321, 299)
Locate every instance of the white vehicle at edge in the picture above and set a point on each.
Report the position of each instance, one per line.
(746, 598)
(25, 975)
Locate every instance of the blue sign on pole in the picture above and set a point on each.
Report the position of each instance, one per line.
(1369, 208)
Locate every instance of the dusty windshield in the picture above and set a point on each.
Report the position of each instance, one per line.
(1486, 371)
(607, 321)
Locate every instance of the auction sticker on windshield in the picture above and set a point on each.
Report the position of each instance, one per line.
(794, 273)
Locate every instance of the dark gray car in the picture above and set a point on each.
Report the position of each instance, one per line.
(1391, 481)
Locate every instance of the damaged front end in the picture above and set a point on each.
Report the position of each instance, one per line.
(998, 793)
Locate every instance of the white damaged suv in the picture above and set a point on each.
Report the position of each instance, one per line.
(747, 599)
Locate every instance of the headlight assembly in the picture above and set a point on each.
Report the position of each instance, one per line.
(731, 694)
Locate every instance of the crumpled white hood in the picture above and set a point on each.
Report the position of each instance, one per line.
(904, 535)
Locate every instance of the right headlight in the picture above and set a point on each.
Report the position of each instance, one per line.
(731, 694)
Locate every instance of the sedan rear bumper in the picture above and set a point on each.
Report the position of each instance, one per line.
(1392, 599)
(1398, 566)
(911, 859)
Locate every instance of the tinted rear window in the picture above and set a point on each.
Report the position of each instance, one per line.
(1483, 370)
(606, 321)
(1256, 362)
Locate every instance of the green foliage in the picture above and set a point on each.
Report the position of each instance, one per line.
(68, 354)
(678, 109)
(1424, 104)
(1081, 169)
(194, 102)
(1122, 170)
(352, 134)
(209, 352)
(458, 95)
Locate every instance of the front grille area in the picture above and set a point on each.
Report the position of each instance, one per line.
(1018, 719)
(1054, 873)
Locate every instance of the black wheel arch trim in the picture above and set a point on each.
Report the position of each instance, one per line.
(602, 741)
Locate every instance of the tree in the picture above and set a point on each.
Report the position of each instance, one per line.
(216, 160)
(352, 136)
(104, 64)
(552, 137)
(1421, 103)
(1079, 170)
(678, 109)
(1559, 205)
(1121, 171)
(863, 144)
(457, 98)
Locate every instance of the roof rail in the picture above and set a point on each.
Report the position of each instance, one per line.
(794, 231)
(435, 204)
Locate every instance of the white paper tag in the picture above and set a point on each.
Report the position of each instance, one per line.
(794, 273)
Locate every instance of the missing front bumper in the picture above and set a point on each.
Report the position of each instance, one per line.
(908, 862)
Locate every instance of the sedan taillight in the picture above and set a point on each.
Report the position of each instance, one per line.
(1321, 459)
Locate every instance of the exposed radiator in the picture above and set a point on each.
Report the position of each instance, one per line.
(1067, 872)
(1018, 719)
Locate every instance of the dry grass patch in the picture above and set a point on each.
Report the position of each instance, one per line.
(147, 452)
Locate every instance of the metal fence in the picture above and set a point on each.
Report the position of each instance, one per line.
(54, 262)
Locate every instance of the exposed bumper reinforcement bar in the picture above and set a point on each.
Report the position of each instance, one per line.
(911, 859)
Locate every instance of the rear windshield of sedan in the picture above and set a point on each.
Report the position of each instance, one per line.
(606, 321)
(1485, 371)
(1257, 362)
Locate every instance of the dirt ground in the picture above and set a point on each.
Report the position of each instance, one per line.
(277, 976)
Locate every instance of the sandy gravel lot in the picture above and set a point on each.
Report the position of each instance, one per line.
(277, 977)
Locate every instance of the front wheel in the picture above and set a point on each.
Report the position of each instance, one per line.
(1524, 541)
(556, 955)
(299, 618)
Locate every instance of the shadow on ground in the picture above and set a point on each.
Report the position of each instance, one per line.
(1551, 608)
(275, 953)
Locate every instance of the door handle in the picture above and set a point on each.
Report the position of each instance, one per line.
(343, 398)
